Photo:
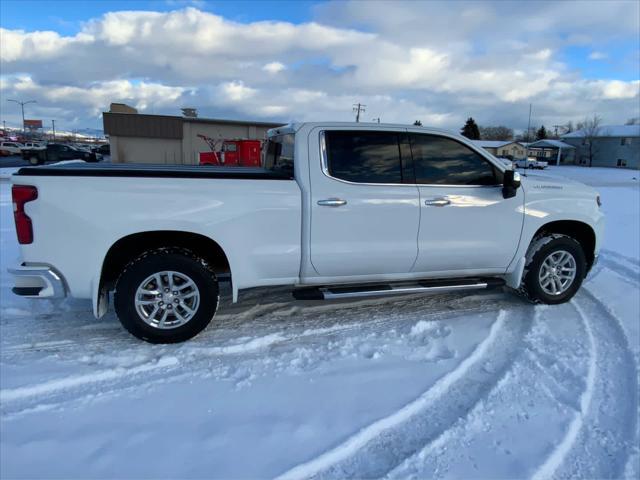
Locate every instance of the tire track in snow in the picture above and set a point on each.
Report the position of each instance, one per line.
(20, 393)
(269, 313)
(378, 448)
(628, 274)
(602, 434)
(169, 363)
(621, 257)
(196, 357)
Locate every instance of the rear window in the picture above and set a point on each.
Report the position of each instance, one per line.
(278, 153)
(364, 156)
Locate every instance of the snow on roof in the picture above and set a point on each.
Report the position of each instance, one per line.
(492, 143)
(550, 143)
(609, 131)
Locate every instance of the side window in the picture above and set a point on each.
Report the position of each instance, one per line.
(364, 156)
(444, 161)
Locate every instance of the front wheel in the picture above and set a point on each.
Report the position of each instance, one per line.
(34, 161)
(166, 296)
(556, 266)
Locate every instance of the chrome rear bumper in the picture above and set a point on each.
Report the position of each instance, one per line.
(38, 282)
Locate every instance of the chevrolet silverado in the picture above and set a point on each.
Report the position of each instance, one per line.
(337, 210)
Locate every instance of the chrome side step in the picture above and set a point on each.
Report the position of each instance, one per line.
(380, 290)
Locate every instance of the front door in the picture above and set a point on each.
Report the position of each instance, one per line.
(465, 222)
(364, 219)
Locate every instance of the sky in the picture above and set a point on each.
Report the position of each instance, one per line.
(437, 62)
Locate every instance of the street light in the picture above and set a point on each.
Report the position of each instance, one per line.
(22, 104)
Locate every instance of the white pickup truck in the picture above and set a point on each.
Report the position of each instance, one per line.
(339, 210)
(531, 162)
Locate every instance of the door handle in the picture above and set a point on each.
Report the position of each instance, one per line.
(332, 202)
(437, 202)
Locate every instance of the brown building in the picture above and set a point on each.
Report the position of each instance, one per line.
(138, 138)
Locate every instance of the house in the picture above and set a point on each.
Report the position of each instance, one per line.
(613, 146)
(504, 148)
(552, 151)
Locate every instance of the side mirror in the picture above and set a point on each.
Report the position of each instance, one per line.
(510, 184)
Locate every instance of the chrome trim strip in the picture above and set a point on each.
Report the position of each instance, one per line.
(324, 166)
(54, 285)
(327, 294)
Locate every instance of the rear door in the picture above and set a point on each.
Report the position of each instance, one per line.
(364, 217)
(466, 224)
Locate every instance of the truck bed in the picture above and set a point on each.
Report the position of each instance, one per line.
(139, 170)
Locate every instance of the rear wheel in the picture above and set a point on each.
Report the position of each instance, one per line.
(34, 160)
(166, 296)
(556, 266)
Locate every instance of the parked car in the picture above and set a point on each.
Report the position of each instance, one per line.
(338, 211)
(55, 152)
(103, 149)
(10, 148)
(33, 146)
(531, 163)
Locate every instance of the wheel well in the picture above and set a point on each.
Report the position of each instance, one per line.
(579, 231)
(132, 246)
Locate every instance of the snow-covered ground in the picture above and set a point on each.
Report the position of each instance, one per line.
(459, 386)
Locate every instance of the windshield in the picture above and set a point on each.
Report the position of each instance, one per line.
(278, 153)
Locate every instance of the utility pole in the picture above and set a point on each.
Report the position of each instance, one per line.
(22, 104)
(358, 108)
(377, 119)
(529, 125)
(556, 129)
(4, 127)
(53, 125)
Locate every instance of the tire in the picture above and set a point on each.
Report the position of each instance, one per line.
(177, 325)
(551, 248)
(34, 161)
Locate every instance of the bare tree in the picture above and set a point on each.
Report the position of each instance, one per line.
(568, 127)
(496, 133)
(591, 127)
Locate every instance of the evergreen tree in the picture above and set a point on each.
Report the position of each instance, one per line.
(541, 134)
(471, 130)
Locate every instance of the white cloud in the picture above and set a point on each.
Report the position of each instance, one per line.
(95, 97)
(541, 55)
(236, 91)
(274, 67)
(595, 55)
(405, 60)
(616, 89)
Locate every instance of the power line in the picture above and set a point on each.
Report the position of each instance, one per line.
(358, 108)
